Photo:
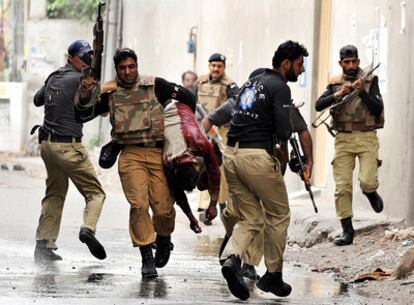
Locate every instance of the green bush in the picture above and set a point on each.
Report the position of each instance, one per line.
(84, 10)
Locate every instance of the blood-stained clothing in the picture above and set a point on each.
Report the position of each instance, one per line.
(183, 138)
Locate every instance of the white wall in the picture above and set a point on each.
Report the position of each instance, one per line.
(12, 116)
(247, 32)
(353, 23)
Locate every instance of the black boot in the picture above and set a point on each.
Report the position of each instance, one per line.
(231, 271)
(43, 254)
(272, 282)
(87, 237)
(249, 272)
(376, 201)
(163, 250)
(347, 236)
(223, 245)
(148, 270)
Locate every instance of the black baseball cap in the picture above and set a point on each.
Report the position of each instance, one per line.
(79, 48)
(348, 51)
(217, 57)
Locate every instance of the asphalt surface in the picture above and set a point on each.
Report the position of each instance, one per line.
(192, 276)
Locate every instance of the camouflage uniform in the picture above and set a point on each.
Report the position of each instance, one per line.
(137, 121)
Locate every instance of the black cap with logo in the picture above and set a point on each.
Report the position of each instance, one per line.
(217, 57)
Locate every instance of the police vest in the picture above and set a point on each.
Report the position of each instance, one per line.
(135, 113)
(211, 94)
(354, 115)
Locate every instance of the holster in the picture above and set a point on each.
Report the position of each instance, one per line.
(42, 133)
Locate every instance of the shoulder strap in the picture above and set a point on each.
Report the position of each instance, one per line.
(335, 80)
(203, 78)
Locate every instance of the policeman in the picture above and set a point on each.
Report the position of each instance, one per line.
(356, 122)
(66, 158)
(137, 121)
(230, 215)
(212, 90)
(254, 175)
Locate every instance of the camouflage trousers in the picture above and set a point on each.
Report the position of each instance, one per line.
(258, 189)
(348, 147)
(64, 161)
(145, 186)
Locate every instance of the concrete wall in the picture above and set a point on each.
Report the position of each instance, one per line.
(12, 116)
(246, 32)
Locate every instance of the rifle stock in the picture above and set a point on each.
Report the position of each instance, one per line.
(302, 173)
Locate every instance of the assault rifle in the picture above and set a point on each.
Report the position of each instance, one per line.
(320, 120)
(213, 132)
(297, 166)
(98, 39)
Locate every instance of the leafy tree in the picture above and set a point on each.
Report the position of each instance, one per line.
(83, 10)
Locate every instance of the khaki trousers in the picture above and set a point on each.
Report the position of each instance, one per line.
(348, 146)
(145, 186)
(254, 252)
(257, 186)
(65, 161)
(204, 197)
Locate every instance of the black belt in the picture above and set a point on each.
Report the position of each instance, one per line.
(158, 144)
(64, 139)
(254, 144)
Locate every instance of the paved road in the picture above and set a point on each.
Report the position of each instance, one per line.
(191, 277)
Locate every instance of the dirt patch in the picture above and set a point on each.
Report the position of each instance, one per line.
(369, 251)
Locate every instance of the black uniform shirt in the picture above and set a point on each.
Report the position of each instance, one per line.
(262, 110)
(57, 95)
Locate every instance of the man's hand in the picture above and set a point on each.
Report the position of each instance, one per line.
(88, 83)
(211, 212)
(206, 124)
(194, 225)
(345, 89)
(308, 169)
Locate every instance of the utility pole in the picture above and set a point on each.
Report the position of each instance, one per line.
(112, 41)
(3, 49)
(18, 39)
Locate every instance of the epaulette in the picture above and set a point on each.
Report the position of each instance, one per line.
(203, 78)
(225, 80)
(336, 80)
(146, 80)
